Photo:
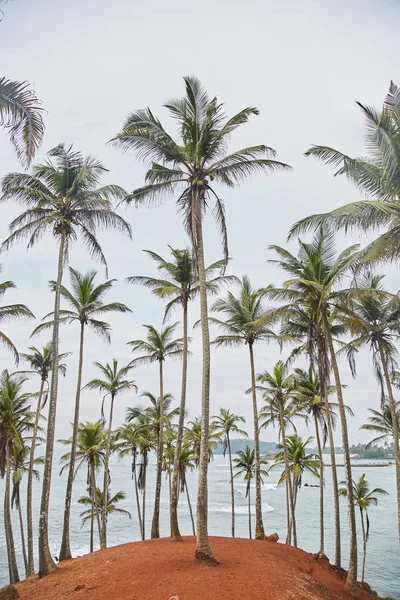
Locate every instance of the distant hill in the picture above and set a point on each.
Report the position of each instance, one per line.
(236, 445)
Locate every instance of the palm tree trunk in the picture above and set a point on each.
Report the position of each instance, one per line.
(91, 518)
(94, 503)
(292, 525)
(203, 549)
(46, 562)
(21, 527)
(190, 507)
(12, 561)
(364, 535)
(323, 371)
(232, 486)
(249, 508)
(288, 540)
(144, 496)
(321, 487)
(175, 533)
(392, 405)
(259, 532)
(351, 581)
(29, 518)
(103, 537)
(137, 493)
(155, 525)
(65, 551)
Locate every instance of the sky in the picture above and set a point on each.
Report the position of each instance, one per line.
(303, 64)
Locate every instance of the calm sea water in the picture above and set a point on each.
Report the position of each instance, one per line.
(383, 557)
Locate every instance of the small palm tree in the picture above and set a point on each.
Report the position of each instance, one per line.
(40, 363)
(363, 498)
(62, 198)
(15, 420)
(242, 325)
(21, 115)
(188, 169)
(187, 462)
(225, 424)
(193, 436)
(158, 346)
(90, 451)
(86, 305)
(381, 422)
(180, 285)
(12, 311)
(114, 382)
(112, 505)
(245, 465)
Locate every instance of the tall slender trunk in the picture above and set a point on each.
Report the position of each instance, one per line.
(155, 525)
(21, 527)
(174, 525)
(65, 551)
(351, 581)
(288, 540)
(259, 531)
(46, 562)
(29, 518)
(292, 525)
(93, 499)
(249, 509)
(232, 486)
(203, 549)
(103, 537)
(364, 536)
(12, 561)
(321, 487)
(190, 507)
(96, 508)
(144, 496)
(323, 372)
(137, 492)
(392, 405)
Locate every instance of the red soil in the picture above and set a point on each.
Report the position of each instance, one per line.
(160, 569)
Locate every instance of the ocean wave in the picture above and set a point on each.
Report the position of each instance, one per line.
(239, 510)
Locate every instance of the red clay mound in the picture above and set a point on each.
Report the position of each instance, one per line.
(160, 569)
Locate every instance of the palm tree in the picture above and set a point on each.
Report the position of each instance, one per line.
(299, 462)
(40, 363)
(227, 423)
(112, 384)
(11, 311)
(314, 284)
(193, 437)
(278, 390)
(242, 325)
(112, 502)
(90, 451)
(377, 175)
(158, 346)
(86, 302)
(179, 285)
(187, 462)
(21, 115)
(245, 465)
(363, 498)
(381, 422)
(15, 419)
(187, 170)
(375, 322)
(62, 198)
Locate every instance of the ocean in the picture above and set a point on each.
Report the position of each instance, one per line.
(383, 556)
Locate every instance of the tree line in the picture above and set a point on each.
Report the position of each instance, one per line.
(331, 304)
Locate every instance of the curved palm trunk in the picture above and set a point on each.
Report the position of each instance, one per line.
(351, 581)
(137, 493)
(12, 561)
(392, 405)
(232, 486)
(203, 549)
(364, 535)
(144, 496)
(249, 508)
(103, 537)
(259, 531)
(288, 540)
(190, 507)
(96, 508)
(155, 525)
(292, 526)
(29, 519)
(321, 487)
(65, 551)
(175, 533)
(21, 527)
(46, 562)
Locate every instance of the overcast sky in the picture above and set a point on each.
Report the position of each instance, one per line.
(303, 64)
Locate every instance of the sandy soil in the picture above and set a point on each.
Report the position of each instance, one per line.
(160, 569)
